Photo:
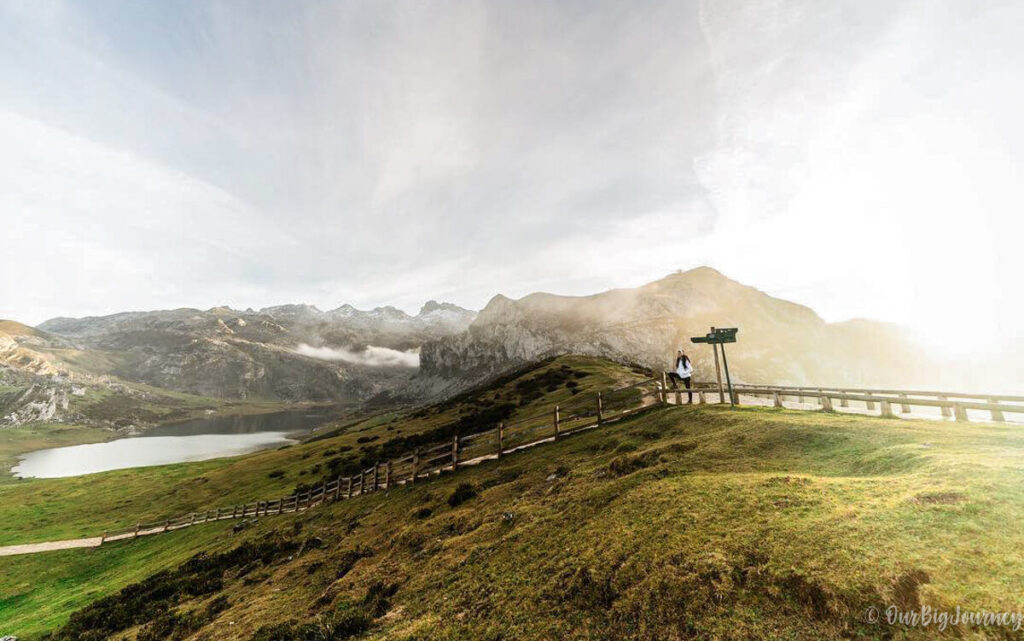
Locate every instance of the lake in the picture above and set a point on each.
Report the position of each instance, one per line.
(195, 440)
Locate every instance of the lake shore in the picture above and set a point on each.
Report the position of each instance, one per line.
(15, 442)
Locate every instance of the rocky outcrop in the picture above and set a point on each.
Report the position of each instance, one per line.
(41, 402)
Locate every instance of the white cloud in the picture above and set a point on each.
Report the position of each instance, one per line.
(372, 355)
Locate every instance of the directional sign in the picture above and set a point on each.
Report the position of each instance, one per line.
(722, 335)
(725, 334)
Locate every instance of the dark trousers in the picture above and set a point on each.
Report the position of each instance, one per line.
(675, 378)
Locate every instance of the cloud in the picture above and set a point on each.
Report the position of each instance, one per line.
(373, 356)
(196, 154)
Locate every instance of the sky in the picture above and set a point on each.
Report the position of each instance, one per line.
(861, 157)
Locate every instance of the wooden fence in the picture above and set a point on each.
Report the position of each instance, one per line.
(583, 412)
(950, 404)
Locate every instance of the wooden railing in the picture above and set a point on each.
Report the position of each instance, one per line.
(583, 412)
(950, 404)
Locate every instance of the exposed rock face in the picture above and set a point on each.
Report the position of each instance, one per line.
(39, 403)
(779, 341)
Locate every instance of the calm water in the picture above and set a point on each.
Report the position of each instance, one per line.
(196, 440)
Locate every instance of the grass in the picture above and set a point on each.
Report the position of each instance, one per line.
(678, 523)
(682, 522)
(48, 509)
(40, 591)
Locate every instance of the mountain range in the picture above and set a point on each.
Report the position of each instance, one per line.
(296, 353)
(287, 353)
(779, 341)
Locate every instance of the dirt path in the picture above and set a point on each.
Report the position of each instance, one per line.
(49, 546)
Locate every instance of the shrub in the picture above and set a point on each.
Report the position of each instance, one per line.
(276, 474)
(348, 559)
(377, 597)
(462, 493)
(152, 600)
(625, 464)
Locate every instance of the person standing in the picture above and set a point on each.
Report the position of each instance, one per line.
(683, 372)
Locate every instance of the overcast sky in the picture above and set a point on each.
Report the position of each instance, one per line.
(864, 158)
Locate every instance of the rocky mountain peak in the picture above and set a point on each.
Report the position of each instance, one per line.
(432, 306)
(344, 311)
(292, 311)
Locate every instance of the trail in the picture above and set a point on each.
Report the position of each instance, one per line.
(50, 546)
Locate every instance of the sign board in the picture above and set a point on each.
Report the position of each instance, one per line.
(725, 335)
(720, 336)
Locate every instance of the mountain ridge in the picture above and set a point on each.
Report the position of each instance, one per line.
(780, 341)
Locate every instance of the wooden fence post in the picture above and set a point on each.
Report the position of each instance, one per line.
(959, 412)
(903, 406)
(843, 402)
(700, 398)
(234, 511)
(455, 452)
(192, 517)
(947, 412)
(376, 476)
(776, 399)
(103, 538)
(556, 423)
(736, 397)
(826, 404)
(167, 525)
(600, 409)
(415, 464)
(869, 404)
(664, 388)
(997, 415)
(501, 438)
(138, 526)
(348, 487)
(887, 410)
(387, 474)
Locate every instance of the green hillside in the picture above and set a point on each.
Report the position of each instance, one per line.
(46, 509)
(679, 522)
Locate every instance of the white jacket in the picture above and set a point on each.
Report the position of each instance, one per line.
(684, 368)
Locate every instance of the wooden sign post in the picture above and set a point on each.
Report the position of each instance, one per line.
(716, 337)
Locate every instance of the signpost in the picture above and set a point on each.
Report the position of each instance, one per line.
(716, 337)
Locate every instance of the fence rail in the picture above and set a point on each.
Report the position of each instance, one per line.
(950, 404)
(588, 411)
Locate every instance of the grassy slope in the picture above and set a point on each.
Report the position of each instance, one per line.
(46, 509)
(678, 522)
